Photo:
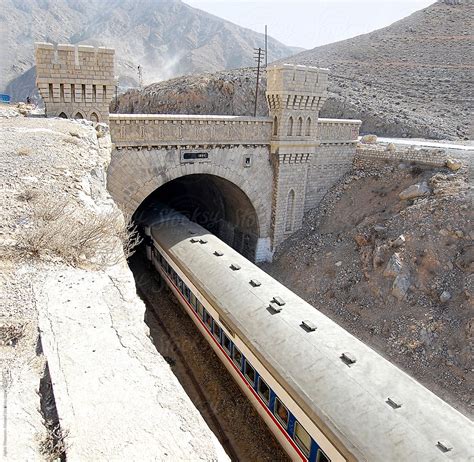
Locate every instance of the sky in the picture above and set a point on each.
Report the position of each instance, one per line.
(310, 23)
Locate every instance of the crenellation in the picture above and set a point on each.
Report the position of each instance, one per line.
(75, 69)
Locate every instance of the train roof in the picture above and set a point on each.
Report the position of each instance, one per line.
(372, 407)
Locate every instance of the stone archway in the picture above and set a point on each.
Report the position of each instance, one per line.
(211, 201)
(134, 175)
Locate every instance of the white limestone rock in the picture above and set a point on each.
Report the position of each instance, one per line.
(414, 191)
(394, 266)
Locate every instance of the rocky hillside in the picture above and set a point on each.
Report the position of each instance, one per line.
(166, 37)
(392, 263)
(410, 79)
(77, 365)
(226, 92)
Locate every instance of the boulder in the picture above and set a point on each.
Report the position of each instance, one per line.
(369, 139)
(400, 286)
(444, 297)
(453, 165)
(399, 241)
(361, 240)
(414, 191)
(394, 266)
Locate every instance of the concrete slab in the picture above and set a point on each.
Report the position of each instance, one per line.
(115, 395)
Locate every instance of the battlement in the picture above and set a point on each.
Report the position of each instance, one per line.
(75, 81)
(297, 79)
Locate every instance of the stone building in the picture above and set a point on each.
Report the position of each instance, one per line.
(75, 81)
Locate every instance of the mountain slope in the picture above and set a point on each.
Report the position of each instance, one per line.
(413, 78)
(166, 37)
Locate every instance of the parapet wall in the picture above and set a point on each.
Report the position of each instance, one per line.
(337, 131)
(75, 81)
(367, 155)
(133, 130)
(182, 130)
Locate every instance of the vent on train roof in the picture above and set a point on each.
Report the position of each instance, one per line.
(394, 402)
(234, 267)
(444, 446)
(308, 326)
(194, 240)
(203, 241)
(279, 301)
(190, 231)
(255, 283)
(218, 253)
(348, 358)
(274, 308)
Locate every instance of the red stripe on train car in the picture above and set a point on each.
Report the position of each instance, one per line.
(293, 444)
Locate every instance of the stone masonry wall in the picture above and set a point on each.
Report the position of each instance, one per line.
(366, 155)
(290, 183)
(328, 165)
(170, 129)
(75, 81)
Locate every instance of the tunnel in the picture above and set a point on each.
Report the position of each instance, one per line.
(214, 203)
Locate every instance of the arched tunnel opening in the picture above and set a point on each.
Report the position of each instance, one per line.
(213, 202)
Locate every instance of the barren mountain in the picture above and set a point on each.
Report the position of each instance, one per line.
(165, 37)
(413, 78)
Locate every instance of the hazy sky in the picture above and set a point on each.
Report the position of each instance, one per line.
(309, 23)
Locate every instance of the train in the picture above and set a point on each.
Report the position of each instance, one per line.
(324, 394)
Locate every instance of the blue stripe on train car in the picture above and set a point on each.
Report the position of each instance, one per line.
(314, 451)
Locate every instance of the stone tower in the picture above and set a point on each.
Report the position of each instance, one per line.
(295, 94)
(75, 81)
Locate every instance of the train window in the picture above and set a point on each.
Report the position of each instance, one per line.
(281, 413)
(200, 308)
(263, 390)
(302, 438)
(249, 373)
(187, 292)
(180, 284)
(237, 357)
(216, 330)
(226, 343)
(208, 320)
(321, 457)
(193, 301)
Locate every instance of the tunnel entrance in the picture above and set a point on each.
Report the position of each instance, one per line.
(213, 202)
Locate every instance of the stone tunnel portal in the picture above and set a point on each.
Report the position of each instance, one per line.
(213, 202)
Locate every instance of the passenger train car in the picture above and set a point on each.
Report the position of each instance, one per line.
(324, 394)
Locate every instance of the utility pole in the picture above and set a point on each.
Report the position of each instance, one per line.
(258, 56)
(140, 77)
(266, 46)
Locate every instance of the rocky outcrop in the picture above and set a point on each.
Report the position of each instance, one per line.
(414, 191)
